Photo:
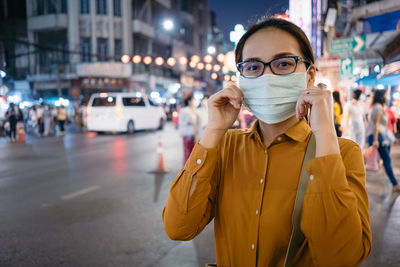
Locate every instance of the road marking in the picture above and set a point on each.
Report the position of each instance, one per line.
(80, 192)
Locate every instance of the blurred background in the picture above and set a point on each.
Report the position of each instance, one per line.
(90, 97)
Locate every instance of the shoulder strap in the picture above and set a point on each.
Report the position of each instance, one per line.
(297, 236)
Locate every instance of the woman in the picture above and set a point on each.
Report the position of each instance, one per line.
(380, 136)
(189, 126)
(247, 180)
(354, 121)
(337, 112)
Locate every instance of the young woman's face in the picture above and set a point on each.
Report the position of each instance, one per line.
(271, 43)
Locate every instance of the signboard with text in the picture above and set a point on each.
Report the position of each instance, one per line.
(346, 68)
(348, 44)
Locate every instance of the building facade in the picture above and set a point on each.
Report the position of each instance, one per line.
(74, 48)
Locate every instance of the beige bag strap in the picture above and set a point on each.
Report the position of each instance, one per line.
(297, 236)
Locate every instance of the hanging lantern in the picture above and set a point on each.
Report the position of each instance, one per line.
(171, 61)
(217, 68)
(192, 64)
(220, 58)
(147, 60)
(137, 59)
(214, 76)
(233, 78)
(195, 58)
(227, 77)
(159, 61)
(200, 66)
(125, 59)
(209, 67)
(183, 60)
(208, 59)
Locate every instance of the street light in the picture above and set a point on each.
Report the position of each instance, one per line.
(168, 24)
(211, 49)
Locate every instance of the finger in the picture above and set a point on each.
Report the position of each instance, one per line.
(227, 96)
(322, 86)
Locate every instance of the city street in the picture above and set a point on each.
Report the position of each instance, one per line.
(91, 200)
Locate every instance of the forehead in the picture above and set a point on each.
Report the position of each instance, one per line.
(268, 42)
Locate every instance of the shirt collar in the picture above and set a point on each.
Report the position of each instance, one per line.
(298, 132)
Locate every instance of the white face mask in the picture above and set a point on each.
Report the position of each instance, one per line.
(272, 98)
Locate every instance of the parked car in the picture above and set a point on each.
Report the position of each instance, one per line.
(123, 112)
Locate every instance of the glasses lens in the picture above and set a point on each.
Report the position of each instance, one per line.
(252, 69)
(283, 66)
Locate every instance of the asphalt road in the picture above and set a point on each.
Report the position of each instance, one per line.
(91, 200)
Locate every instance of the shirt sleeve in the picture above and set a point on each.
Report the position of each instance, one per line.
(335, 218)
(184, 217)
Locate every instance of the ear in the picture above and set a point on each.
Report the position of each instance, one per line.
(311, 75)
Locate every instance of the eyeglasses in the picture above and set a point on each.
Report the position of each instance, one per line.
(279, 66)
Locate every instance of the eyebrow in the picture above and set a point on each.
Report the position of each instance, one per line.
(283, 54)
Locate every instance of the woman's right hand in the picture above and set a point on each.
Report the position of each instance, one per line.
(224, 108)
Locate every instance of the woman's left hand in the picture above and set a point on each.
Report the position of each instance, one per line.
(320, 103)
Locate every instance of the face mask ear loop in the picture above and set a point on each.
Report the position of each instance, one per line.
(307, 117)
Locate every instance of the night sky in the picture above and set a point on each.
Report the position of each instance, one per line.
(232, 12)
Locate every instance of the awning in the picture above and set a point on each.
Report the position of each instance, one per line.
(390, 80)
(371, 80)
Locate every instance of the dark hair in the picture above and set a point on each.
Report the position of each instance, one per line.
(379, 97)
(187, 100)
(356, 94)
(336, 98)
(281, 24)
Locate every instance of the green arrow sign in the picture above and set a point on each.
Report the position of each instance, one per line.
(346, 68)
(348, 44)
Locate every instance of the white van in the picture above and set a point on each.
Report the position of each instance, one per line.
(123, 112)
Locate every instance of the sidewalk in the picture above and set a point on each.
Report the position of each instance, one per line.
(384, 216)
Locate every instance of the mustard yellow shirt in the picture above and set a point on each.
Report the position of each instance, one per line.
(249, 190)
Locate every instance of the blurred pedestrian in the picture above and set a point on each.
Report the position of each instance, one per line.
(78, 117)
(247, 182)
(61, 118)
(189, 124)
(202, 110)
(40, 119)
(392, 120)
(47, 120)
(354, 120)
(380, 136)
(13, 119)
(337, 113)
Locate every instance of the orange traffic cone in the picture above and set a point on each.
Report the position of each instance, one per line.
(21, 133)
(160, 161)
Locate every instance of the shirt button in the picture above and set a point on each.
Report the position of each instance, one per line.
(261, 180)
(252, 246)
(311, 177)
(256, 212)
(265, 151)
(279, 138)
(198, 161)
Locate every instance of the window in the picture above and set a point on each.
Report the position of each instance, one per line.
(117, 8)
(51, 7)
(102, 49)
(108, 101)
(64, 7)
(101, 7)
(133, 101)
(85, 6)
(40, 7)
(118, 48)
(86, 49)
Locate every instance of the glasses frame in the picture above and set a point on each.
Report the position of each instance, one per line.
(296, 58)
